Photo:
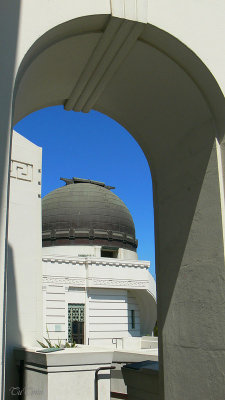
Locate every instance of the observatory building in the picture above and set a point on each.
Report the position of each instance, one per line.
(77, 276)
(95, 289)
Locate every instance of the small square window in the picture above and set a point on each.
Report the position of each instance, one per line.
(58, 328)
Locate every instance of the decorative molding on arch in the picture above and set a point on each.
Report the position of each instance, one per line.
(134, 10)
(114, 45)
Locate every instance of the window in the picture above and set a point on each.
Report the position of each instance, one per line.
(132, 319)
(109, 252)
(76, 323)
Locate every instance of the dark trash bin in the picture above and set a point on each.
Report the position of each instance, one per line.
(142, 380)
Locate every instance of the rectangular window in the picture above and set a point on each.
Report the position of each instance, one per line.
(133, 319)
(109, 253)
(76, 323)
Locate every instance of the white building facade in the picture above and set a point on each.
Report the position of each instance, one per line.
(95, 290)
(24, 272)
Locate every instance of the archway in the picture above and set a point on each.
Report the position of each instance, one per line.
(76, 143)
(155, 87)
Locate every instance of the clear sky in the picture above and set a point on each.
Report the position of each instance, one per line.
(93, 146)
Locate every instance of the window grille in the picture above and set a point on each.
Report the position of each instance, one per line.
(76, 323)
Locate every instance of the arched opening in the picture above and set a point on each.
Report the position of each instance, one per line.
(165, 97)
(112, 310)
(80, 140)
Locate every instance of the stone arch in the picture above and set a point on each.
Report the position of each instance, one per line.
(167, 99)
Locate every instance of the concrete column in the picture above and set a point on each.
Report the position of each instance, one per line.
(24, 268)
(4, 161)
(44, 290)
(191, 273)
(9, 11)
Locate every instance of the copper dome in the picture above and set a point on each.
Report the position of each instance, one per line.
(86, 212)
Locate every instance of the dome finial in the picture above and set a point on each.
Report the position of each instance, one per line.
(80, 180)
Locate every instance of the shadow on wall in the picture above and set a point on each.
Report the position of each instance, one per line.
(186, 260)
(13, 333)
(184, 223)
(9, 21)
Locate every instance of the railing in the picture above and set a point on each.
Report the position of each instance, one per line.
(96, 378)
(114, 395)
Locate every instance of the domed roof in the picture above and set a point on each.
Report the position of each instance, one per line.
(86, 212)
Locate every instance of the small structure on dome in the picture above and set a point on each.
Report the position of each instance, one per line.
(70, 181)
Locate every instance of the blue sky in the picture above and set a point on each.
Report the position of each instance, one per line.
(93, 146)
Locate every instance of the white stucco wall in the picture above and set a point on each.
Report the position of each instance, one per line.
(84, 251)
(204, 37)
(107, 314)
(25, 269)
(24, 298)
(108, 288)
(110, 316)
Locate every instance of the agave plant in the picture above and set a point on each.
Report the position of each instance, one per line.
(58, 345)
